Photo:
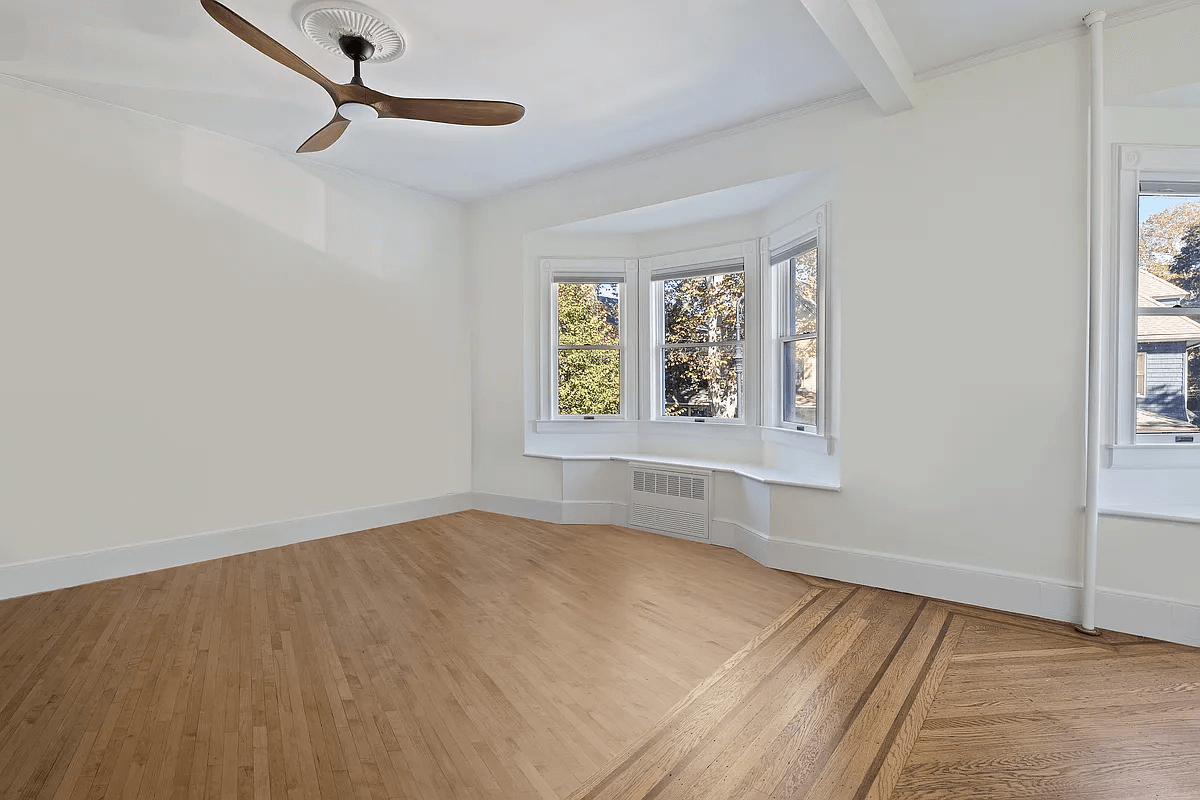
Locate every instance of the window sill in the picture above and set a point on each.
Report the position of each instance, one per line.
(608, 426)
(1154, 456)
(1182, 512)
(805, 441)
(755, 472)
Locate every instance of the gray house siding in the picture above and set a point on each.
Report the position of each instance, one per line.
(1166, 376)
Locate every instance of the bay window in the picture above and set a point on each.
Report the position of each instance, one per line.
(733, 335)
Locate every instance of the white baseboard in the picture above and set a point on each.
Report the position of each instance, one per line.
(544, 510)
(571, 512)
(1144, 615)
(31, 577)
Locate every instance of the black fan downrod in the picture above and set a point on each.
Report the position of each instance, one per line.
(358, 50)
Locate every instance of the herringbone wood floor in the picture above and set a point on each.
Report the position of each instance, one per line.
(479, 656)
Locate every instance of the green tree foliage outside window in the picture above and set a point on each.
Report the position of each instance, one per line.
(589, 380)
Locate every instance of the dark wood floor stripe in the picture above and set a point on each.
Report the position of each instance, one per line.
(749, 697)
(664, 731)
(869, 779)
(831, 746)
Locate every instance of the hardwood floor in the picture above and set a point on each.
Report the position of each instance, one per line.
(862, 694)
(469, 656)
(480, 656)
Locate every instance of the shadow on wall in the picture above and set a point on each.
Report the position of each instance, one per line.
(305, 204)
(267, 189)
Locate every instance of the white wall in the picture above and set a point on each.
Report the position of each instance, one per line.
(960, 236)
(197, 335)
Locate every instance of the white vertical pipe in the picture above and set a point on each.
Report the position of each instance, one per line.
(1095, 23)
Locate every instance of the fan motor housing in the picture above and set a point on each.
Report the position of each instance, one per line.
(352, 31)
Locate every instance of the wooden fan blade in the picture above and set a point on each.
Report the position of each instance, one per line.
(265, 44)
(454, 112)
(326, 136)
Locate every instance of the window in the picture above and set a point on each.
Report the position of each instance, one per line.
(1158, 289)
(588, 348)
(586, 371)
(794, 332)
(700, 352)
(1168, 307)
(798, 267)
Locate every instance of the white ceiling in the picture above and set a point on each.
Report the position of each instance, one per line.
(600, 80)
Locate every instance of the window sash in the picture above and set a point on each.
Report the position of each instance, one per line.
(684, 345)
(708, 269)
(662, 373)
(783, 261)
(586, 277)
(658, 279)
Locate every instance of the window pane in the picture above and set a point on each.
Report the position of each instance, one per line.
(802, 304)
(800, 381)
(588, 313)
(1169, 250)
(1168, 375)
(589, 382)
(705, 309)
(702, 381)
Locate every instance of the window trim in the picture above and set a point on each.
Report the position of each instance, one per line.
(808, 228)
(718, 259)
(1137, 164)
(586, 270)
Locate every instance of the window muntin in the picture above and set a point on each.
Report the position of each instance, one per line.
(702, 343)
(799, 267)
(587, 348)
(1167, 370)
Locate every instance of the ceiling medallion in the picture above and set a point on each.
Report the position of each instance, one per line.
(327, 22)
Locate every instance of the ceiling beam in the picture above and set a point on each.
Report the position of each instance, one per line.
(860, 34)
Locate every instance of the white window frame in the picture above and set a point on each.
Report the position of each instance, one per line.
(810, 227)
(653, 271)
(1137, 164)
(621, 271)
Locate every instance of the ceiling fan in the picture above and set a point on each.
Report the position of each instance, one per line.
(355, 100)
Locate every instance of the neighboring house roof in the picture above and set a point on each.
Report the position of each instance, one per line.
(1162, 329)
(1155, 288)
